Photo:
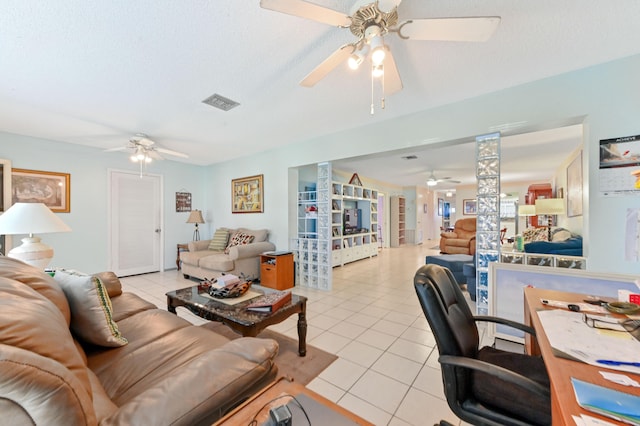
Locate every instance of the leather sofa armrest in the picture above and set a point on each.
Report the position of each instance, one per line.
(199, 245)
(250, 250)
(449, 234)
(42, 391)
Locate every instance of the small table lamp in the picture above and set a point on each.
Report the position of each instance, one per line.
(31, 218)
(527, 210)
(195, 217)
(550, 207)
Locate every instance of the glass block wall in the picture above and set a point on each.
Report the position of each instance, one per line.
(488, 214)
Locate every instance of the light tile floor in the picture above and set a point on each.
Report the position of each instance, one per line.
(387, 370)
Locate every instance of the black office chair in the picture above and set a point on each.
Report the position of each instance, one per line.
(484, 386)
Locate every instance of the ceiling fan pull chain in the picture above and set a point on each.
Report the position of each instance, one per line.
(372, 78)
(382, 85)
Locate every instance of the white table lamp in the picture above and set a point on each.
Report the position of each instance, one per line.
(550, 207)
(31, 218)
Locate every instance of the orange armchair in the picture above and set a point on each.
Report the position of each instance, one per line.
(462, 240)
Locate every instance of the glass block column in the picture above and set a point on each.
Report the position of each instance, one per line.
(488, 214)
(324, 226)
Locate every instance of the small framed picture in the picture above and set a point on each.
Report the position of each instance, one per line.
(469, 207)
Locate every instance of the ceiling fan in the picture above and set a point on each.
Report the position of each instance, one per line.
(370, 21)
(144, 150)
(433, 181)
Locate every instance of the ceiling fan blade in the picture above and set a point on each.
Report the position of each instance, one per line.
(388, 5)
(392, 81)
(173, 153)
(154, 155)
(307, 10)
(450, 29)
(120, 148)
(327, 65)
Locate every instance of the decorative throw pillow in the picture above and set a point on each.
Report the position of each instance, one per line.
(219, 240)
(239, 239)
(91, 310)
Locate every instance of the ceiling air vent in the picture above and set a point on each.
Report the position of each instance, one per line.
(410, 157)
(220, 102)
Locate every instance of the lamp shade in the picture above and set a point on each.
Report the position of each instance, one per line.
(527, 210)
(550, 206)
(195, 217)
(31, 218)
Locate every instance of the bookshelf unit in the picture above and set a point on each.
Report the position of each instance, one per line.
(397, 231)
(354, 223)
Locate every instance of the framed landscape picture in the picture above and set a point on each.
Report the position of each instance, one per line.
(469, 207)
(34, 186)
(247, 195)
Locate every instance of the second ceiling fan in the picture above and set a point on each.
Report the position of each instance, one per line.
(370, 22)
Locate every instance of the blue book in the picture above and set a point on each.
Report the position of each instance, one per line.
(611, 403)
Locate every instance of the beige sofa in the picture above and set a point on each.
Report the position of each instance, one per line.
(166, 371)
(242, 260)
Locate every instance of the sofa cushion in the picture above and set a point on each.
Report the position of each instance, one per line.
(219, 240)
(238, 239)
(91, 317)
(111, 282)
(31, 322)
(535, 234)
(217, 262)
(36, 279)
(259, 235)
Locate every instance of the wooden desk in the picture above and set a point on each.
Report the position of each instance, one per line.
(563, 401)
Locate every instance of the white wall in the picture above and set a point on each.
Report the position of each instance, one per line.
(604, 97)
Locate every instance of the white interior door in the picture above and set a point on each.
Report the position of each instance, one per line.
(135, 223)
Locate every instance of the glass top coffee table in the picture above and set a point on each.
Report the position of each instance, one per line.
(237, 317)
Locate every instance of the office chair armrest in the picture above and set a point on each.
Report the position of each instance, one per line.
(507, 322)
(497, 371)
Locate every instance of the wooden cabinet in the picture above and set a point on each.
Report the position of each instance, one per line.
(397, 230)
(536, 191)
(276, 271)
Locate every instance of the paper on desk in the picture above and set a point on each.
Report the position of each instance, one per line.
(571, 338)
(584, 420)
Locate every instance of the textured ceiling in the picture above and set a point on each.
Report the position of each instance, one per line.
(97, 72)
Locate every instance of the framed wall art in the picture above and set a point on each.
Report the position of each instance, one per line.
(574, 187)
(50, 188)
(247, 195)
(183, 201)
(469, 207)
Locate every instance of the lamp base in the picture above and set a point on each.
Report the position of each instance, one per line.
(33, 252)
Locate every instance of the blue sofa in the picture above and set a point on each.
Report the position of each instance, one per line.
(570, 247)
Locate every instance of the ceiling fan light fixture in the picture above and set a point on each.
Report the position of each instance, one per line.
(377, 50)
(432, 182)
(377, 71)
(355, 60)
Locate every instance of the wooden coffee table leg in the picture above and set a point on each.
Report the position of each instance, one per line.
(302, 331)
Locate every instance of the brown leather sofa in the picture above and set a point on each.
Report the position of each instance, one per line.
(169, 372)
(462, 240)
